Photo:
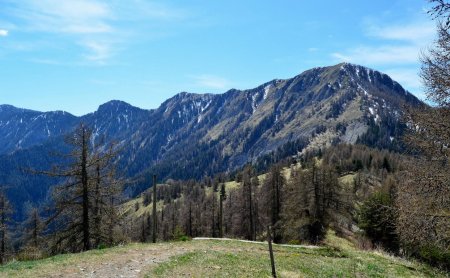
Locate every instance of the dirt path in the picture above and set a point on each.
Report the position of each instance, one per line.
(129, 263)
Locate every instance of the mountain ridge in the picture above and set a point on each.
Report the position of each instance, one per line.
(185, 93)
(195, 135)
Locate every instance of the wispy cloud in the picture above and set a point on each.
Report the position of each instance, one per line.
(3, 33)
(100, 28)
(406, 76)
(382, 55)
(97, 51)
(416, 32)
(72, 17)
(86, 23)
(211, 81)
(394, 47)
(397, 44)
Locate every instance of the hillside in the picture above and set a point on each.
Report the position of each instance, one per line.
(215, 258)
(128, 208)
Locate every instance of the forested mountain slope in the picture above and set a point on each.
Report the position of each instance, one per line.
(196, 135)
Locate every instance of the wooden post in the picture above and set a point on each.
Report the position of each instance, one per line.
(272, 261)
(220, 215)
(155, 217)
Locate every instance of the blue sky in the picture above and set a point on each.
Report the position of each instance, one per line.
(74, 55)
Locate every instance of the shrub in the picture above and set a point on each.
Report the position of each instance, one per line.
(179, 235)
(294, 242)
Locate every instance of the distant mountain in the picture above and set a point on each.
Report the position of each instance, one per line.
(22, 128)
(193, 135)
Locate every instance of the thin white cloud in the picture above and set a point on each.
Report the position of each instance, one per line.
(97, 51)
(382, 55)
(86, 23)
(397, 44)
(395, 47)
(211, 81)
(409, 78)
(100, 28)
(79, 17)
(3, 33)
(87, 29)
(406, 76)
(134, 10)
(416, 32)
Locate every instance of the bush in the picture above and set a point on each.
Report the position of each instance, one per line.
(179, 235)
(294, 242)
(434, 256)
(102, 246)
(184, 238)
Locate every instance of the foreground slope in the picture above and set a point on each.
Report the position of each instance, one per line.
(217, 258)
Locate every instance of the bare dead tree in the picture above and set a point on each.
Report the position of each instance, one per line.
(424, 193)
(33, 229)
(440, 10)
(271, 199)
(85, 200)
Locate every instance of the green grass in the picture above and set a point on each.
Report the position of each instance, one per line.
(65, 263)
(236, 259)
(48, 265)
